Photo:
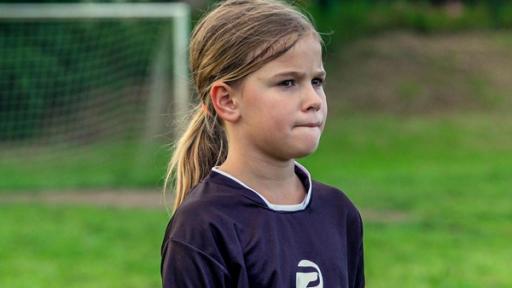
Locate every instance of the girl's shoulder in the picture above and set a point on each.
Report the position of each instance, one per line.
(202, 222)
(208, 206)
(331, 197)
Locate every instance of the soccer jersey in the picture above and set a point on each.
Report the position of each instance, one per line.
(226, 234)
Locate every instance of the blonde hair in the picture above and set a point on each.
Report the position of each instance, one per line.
(233, 40)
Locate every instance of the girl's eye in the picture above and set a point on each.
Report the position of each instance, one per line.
(318, 82)
(287, 83)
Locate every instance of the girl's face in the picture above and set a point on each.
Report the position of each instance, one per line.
(283, 106)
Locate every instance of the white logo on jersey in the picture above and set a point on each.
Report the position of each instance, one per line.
(303, 279)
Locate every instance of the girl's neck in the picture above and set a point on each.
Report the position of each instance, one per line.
(259, 169)
(275, 180)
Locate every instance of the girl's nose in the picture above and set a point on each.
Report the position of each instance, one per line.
(313, 98)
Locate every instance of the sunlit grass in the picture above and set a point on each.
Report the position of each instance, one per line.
(79, 246)
(433, 192)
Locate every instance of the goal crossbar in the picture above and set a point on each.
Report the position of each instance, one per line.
(93, 10)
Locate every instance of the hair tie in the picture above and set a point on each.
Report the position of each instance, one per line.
(204, 107)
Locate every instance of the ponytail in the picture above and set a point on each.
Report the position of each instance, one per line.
(202, 146)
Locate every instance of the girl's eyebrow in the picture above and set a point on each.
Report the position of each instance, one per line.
(297, 74)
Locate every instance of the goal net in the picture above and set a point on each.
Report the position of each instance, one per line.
(89, 84)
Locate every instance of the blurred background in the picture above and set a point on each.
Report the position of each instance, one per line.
(419, 136)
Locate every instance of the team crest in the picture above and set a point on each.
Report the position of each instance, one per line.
(308, 275)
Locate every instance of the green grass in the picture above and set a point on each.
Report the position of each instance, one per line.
(79, 246)
(433, 191)
(447, 178)
(109, 165)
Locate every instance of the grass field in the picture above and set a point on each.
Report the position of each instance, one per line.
(434, 193)
(432, 179)
(107, 165)
(79, 246)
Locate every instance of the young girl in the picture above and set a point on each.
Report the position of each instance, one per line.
(247, 214)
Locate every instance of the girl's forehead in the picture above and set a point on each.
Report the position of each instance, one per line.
(305, 55)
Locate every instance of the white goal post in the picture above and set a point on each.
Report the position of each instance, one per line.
(178, 12)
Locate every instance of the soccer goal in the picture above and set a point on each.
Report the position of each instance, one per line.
(73, 75)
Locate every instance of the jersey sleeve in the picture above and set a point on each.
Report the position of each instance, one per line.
(185, 266)
(358, 279)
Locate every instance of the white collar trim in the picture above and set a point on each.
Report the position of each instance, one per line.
(276, 207)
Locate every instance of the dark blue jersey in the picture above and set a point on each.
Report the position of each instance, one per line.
(225, 234)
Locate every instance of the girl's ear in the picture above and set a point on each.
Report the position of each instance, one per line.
(224, 100)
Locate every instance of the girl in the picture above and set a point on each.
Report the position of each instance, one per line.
(248, 214)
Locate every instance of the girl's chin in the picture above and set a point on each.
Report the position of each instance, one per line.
(305, 150)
